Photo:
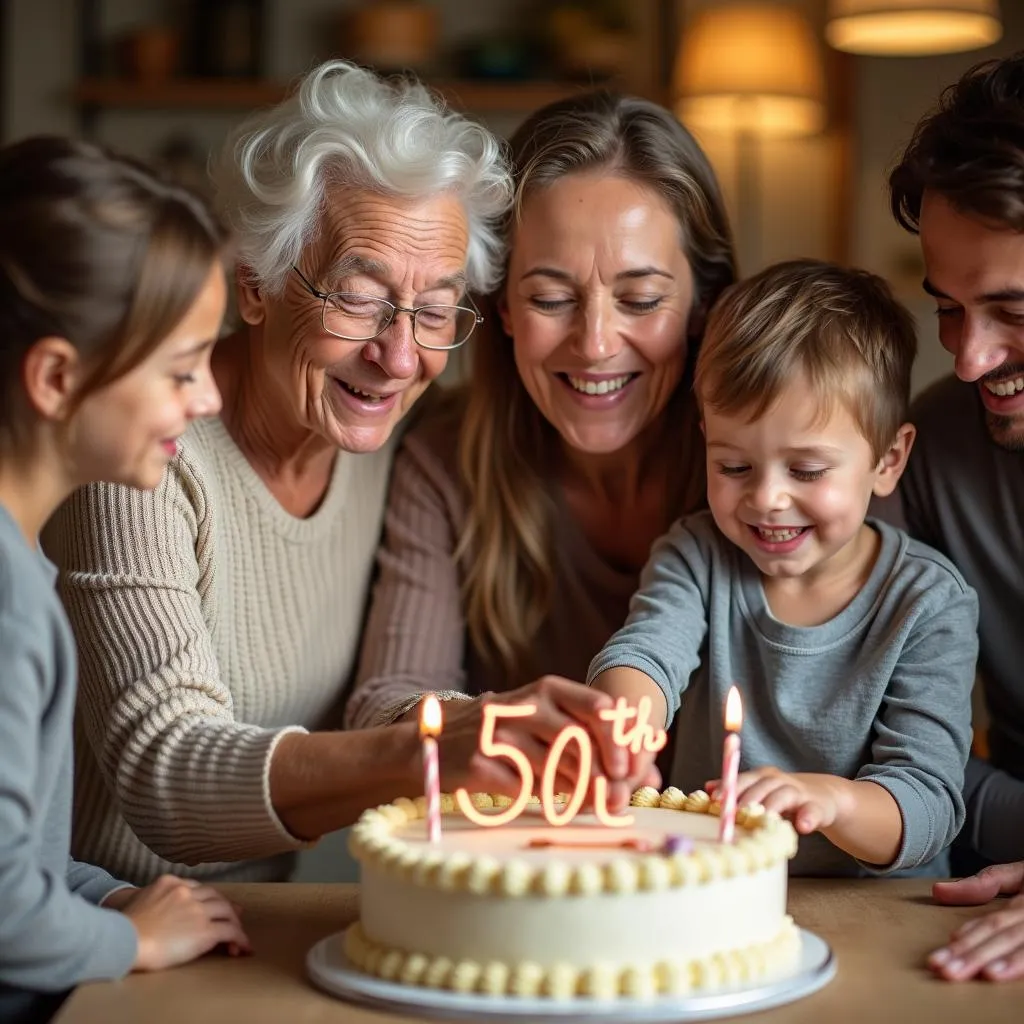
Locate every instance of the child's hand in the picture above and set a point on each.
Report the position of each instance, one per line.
(808, 800)
(992, 945)
(178, 919)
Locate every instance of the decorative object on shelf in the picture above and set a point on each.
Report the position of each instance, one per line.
(750, 70)
(150, 53)
(227, 38)
(392, 35)
(912, 27)
(590, 41)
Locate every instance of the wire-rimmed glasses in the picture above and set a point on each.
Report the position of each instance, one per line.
(356, 317)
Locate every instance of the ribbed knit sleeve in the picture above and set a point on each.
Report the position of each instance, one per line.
(191, 780)
(415, 635)
(210, 622)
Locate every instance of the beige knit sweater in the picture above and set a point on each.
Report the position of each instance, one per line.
(210, 622)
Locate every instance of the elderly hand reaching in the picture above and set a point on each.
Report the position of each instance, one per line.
(559, 703)
(991, 946)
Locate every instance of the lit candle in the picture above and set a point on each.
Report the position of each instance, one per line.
(730, 765)
(430, 729)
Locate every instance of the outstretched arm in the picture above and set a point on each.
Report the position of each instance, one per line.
(905, 805)
(657, 649)
(632, 685)
(858, 816)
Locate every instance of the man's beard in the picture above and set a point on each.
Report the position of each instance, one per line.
(1006, 431)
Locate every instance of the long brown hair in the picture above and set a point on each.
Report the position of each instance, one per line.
(95, 249)
(507, 545)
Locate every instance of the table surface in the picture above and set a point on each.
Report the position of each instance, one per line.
(880, 931)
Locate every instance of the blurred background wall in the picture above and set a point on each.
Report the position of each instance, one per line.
(166, 79)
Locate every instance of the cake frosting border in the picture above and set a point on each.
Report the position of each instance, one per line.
(766, 839)
(715, 972)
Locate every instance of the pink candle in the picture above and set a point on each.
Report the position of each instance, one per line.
(430, 729)
(730, 766)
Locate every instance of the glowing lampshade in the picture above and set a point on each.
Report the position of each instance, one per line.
(751, 68)
(912, 27)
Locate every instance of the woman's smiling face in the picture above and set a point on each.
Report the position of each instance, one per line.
(598, 303)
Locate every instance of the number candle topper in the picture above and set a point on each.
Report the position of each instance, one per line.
(430, 728)
(730, 765)
(641, 735)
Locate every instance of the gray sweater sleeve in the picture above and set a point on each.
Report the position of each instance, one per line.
(50, 938)
(667, 620)
(92, 883)
(922, 735)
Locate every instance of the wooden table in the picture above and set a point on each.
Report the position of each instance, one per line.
(879, 930)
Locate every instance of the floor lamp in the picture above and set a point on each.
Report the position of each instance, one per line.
(754, 71)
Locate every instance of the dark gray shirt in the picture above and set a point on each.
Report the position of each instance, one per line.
(881, 691)
(52, 934)
(964, 495)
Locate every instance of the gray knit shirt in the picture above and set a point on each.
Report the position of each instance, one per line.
(52, 934)
(881, 691)
(965, 494)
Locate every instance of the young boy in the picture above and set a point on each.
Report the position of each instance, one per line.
(853, 645)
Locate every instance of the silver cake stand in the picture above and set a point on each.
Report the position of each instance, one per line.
(331, 970)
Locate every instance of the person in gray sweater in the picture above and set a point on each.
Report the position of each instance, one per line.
(104, 359)
(853, 646)
(960, 185)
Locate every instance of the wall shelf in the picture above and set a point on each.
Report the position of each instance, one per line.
(240, 94)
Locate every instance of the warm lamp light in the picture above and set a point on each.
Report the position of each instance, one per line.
(750, 68)
(912, 27)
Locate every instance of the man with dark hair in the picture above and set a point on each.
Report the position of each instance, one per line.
(960, 185)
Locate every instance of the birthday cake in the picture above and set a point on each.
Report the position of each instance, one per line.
(659, 907)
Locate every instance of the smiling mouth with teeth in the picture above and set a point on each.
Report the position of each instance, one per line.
(1005, 388)
(366, 396)
(598, 387)
(779, 534)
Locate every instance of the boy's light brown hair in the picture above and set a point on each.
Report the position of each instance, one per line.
(841, 330)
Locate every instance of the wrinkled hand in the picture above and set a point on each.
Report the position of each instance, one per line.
(560, 703)
(992, 945)
(178, 919)
(808, 800)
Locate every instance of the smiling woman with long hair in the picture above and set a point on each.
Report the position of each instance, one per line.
(522, 509)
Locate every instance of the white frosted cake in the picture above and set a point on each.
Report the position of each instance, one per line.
(582, 910)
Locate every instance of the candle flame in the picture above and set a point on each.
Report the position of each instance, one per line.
(733, 710)
(430, 716)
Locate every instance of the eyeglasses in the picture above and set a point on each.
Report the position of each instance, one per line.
(357, 317)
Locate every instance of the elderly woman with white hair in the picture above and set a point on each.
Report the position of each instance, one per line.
(218, 618)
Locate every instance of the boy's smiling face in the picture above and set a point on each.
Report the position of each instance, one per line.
(791, 488)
